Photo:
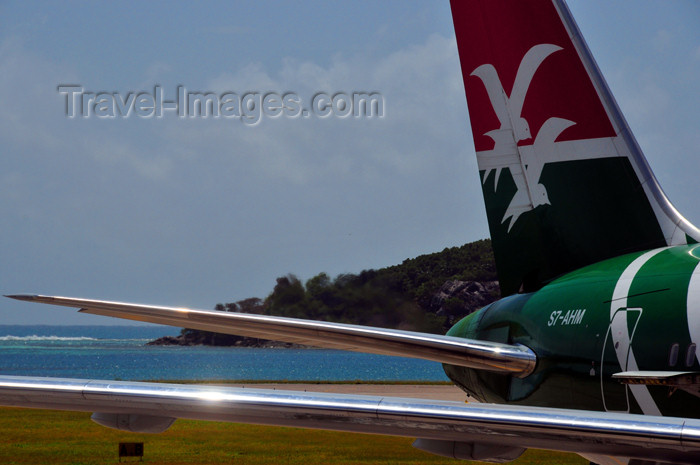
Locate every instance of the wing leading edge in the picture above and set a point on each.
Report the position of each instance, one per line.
(476, 431)
(517, 360)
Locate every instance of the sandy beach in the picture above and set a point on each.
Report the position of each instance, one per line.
(419, 391)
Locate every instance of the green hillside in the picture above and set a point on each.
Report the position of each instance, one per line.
(427, 293)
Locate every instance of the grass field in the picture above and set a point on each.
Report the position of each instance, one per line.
(48, 437)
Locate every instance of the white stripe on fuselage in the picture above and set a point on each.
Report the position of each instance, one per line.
(620, 332)
(693, 308)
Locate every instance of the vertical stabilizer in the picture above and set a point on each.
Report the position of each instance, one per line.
(564, 181)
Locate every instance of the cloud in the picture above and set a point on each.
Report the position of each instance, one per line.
(404, 141)
(155, 74)
(195, 208)
(28, 93)
(662, 40)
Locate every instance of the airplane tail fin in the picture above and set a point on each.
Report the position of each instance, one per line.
(564, 181)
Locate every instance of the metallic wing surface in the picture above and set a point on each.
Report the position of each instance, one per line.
(467, 431)
(492, 356)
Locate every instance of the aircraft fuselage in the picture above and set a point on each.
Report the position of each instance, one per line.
(636, 312)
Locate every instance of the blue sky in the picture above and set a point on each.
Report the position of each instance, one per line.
(198, 211)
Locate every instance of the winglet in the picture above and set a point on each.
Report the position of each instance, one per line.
(27, 297)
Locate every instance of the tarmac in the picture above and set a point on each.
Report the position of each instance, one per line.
(416, 391)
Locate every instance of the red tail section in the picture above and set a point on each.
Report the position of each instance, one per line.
(501, 36)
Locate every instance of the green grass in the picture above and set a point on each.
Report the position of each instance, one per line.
(49, 437)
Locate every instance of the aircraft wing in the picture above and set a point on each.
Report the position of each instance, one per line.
(517, 360)
(468, 431)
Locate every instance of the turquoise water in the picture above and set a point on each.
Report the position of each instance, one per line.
(119, 352)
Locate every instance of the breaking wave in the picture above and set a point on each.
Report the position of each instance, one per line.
(46, 338)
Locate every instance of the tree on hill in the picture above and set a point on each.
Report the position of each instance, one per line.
(427, 293)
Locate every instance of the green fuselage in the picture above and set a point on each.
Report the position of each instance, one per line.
(637, 312)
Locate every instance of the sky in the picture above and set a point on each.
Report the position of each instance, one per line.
(196, 211)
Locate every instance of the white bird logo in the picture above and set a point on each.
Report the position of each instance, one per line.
(525, 162)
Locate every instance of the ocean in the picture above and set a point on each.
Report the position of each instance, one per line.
(120, 352)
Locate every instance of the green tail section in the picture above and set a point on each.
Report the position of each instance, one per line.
(565, 183)
(599, 221)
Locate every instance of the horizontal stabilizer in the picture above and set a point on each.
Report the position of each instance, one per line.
(659, 378)
(517, 360)
(688, 381)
